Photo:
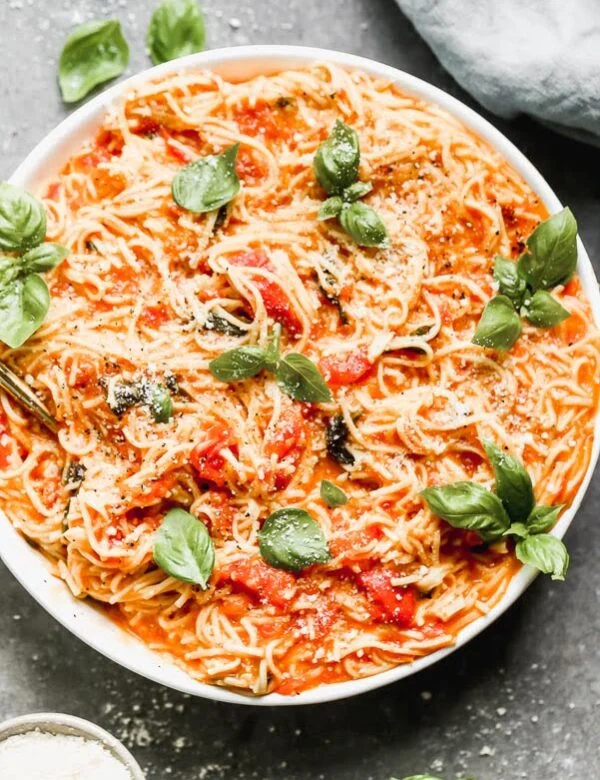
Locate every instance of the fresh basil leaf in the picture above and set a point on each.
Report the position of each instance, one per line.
(299, 378)
(176, 29)
(183, 548)
(23, 306)
(223, 325)
(292, 539)
(551, 256)
(93, 53)
(332, 495)
(544, 311)
(513, 483)
(240, 363)
(208, 183)
(22, 219)
(272, 357)
(546, 553)
(499, 326)
(510, 282)
(44, 257)
(364, 225)
(419, 777)
(517, 529)
(542, 518)
(337, 434)
(336, 161)
(330, 208)
(357, 190)
(160, 403)
(470, 506)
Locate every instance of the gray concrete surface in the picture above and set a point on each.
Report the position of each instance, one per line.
(519, 702)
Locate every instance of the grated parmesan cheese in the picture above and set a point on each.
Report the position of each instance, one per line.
(42, 756)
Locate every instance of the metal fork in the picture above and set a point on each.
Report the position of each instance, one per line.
(25, 396)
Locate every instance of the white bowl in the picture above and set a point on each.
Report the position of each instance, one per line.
(28, 566)
(69, 725)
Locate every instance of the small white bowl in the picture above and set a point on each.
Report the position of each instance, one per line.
(81, 617)
(58, 723)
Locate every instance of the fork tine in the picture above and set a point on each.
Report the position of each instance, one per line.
(21, 393)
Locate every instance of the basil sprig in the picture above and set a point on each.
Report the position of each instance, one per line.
(207, 183)
(510, 511)
(24, 295)
(291, 539)
(550, 259)
(332, 495)
(183, 548)
(175, 30)
(336, 169)
(296, 375)
(93, 53)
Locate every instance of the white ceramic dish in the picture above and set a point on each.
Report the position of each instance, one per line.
(58, 723)
(28, 566)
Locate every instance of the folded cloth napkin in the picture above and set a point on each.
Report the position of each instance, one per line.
(538, 57)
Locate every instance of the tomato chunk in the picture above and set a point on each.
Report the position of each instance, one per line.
(206, 457)
(268, 585)
(392, 604)
(155, 315)
(276, 302)
(346, 369)
(289, 432)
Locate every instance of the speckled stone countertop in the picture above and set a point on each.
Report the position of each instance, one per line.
(520, 701)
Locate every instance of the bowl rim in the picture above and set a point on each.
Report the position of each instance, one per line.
(61, 723)
(81, 618)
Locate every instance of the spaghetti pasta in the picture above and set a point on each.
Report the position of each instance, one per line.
(151, 292)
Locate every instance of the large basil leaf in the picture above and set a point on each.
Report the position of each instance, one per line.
(470, 506)
(332, 495)
(292, 539)
(364, 225)
(240, 363)
(44, 257)
(511, 283)
(23, 306)
(93, 53)
(336, 161)
(176, 29)
(299, 378)
(551, 256)
(542, 518)
(513, 483)
(183, 548)
(546, 553)
(544, 311)
(499, 326)
(22, 219)
(208, 183)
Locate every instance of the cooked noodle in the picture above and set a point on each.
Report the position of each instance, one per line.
(133, 298)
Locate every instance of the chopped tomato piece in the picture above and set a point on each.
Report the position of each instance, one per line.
(250, 169)
(276, 302)
(269, 585)
(147, 126)
(346, 369)
(392, 604)
(573, 286)
(267, 120)
(173, 149)
(355, 540)
(206, 457)
(289, 432)
(155, 315)
(318, 623)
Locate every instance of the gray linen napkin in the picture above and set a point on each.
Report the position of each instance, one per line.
(537, 57)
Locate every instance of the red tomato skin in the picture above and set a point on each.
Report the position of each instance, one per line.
(276, 302)
(392, 604)
(345, 369)
(289, 432)
(265, 583)
(206, 459)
